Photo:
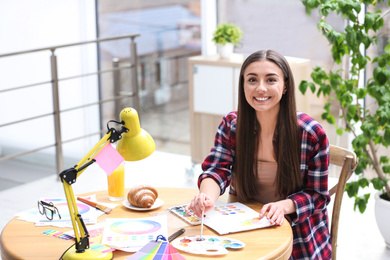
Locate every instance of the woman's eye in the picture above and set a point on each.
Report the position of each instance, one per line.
(271, 80)
(252, 80)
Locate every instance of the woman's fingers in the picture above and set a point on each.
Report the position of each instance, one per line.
(199, 203)
(274, 213)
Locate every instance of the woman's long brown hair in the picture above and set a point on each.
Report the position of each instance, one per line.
(287, 134)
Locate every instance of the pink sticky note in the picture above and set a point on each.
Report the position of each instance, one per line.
(109, 159)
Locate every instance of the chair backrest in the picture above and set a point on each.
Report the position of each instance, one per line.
(347, 160)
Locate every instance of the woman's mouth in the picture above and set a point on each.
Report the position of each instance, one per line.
(262, 98)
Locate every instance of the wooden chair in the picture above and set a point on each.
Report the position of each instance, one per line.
(348, 161)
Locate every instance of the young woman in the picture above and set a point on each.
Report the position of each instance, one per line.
(268, 152)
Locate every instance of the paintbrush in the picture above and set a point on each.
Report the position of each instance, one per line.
(105, 209)
(201, 228)
(176, 234)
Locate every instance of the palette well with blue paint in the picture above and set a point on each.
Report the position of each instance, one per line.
(208, 245)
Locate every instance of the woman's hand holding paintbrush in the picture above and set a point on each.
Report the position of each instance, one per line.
(105, 209)
(201, 203)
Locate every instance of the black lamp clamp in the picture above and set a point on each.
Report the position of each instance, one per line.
(116, 135)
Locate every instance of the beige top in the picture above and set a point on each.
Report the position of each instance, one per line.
(266, 186)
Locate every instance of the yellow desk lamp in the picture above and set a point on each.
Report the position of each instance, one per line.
(134, 144)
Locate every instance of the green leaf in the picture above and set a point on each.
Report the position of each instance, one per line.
(312, 87)
(378, 183)
(381, 75)
(382, 61)
(384, 159)
(303, 86)
(387, 48)
(361, 93)
(369, 21)
(361, 202)
(363, 182)
(386, 136)
(386, 168)
(352, 189)
(339, 131)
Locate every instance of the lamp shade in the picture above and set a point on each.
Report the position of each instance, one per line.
(136, 144)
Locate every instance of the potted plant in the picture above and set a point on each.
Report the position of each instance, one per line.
(369, 127)
(226, 36)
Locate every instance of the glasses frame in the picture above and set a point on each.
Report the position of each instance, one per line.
(44, 207)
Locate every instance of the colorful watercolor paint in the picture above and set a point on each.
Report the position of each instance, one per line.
(189, 218)
(211, 245)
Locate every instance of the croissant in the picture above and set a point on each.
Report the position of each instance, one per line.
(142, 196)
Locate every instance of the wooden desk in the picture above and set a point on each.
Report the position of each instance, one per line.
(22, 240)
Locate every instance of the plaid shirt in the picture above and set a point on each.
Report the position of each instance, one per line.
(310, 221)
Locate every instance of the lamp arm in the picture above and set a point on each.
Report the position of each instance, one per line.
(68, 177)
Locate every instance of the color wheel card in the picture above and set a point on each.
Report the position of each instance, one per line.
(88, 213)
(131, 234)
(234, 217)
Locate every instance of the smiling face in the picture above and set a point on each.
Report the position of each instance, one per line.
(264, 86)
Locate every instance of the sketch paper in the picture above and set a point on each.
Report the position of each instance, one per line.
(225, 218)
(234, 217)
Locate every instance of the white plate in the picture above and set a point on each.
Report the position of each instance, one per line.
(158, 203)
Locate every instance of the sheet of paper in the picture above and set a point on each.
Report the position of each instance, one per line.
(131, 234)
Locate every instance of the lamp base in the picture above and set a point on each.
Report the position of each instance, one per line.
(87, 254)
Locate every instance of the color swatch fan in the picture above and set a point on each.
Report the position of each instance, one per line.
(157, 250)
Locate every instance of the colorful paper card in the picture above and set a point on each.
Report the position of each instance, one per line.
(109, 159)
(131, 234)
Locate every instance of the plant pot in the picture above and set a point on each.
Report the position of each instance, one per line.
(226, 50)
(382, 213)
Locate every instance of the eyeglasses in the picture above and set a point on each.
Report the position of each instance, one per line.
(48, 209)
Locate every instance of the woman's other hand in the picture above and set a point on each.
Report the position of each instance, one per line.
(276, 211)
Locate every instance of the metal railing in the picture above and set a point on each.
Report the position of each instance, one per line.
(55, 93)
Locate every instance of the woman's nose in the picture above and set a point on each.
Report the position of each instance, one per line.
(261, 87)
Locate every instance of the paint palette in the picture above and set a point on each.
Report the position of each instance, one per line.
(190, 218)
(210, 245)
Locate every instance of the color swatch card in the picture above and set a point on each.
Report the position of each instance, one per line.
(225, 218)
(131, 234)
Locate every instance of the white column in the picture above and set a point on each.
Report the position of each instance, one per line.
(209, 24)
